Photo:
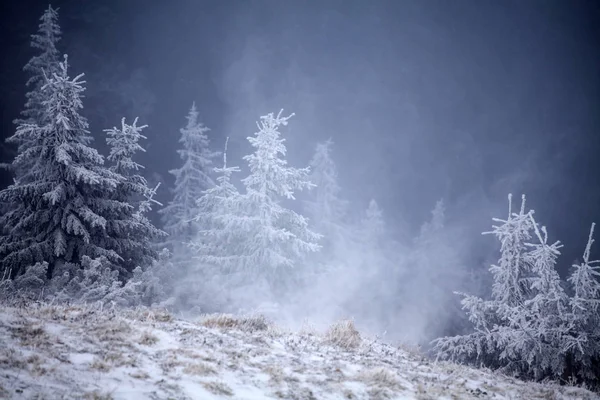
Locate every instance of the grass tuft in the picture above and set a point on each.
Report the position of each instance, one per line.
(344, 334)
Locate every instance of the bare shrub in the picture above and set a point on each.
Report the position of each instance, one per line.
(343, 334)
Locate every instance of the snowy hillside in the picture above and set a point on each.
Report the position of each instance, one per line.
(59, 352)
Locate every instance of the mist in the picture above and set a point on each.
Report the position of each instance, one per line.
(462, 101)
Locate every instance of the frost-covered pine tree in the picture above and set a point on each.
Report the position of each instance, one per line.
(526, 328)
(373, 225)
(325, 208)
(44, 64)
(435, 225)
(217, 242)
(191, 180)
(61, 204)
(584, 342)
(131, 233)
(277, 238)
(538, 326)
(218, 246)
(433, 263)
(549, 298)
(512, 273)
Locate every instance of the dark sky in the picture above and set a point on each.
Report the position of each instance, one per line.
(466, 100)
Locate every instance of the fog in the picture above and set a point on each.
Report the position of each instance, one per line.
(463, 101)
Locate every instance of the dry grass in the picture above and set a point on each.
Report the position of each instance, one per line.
(31, 335)
(296, 393)
(169, 363)
(149, 315)
(343, 334)
(100, 365)
(219, 388)
(10, 358)
(413, 350)
(380, 376)
(36, 365)
(113, 359)
(140, 374)
(249, 324)
(96, 395)
(200, 369)
(382, 382)
(3, 393)
(147, 339)
(278, 375)
(114, 332)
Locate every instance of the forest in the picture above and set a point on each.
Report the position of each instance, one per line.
(260, 234)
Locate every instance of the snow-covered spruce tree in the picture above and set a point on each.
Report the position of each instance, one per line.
(97, 279)
(433, 263)
(276, 238)
(325, 209)
(191, 180)
(532, 333)
(219, 209)
(373, 226)
(44, 64)
(218, 246)
(366, 261)
(508, 332)
(583, 344)
(512, 273)
(131, 234)
(61, 204)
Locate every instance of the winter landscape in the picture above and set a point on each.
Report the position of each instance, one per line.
(245, 276)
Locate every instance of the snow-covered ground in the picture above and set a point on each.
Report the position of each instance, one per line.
(60, 352)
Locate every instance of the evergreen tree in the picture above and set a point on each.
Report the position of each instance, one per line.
(61, 208)
(373, 226)
(131, 234)
(584, 342)
(217, 243)
(526, 328)
(43, 65)
(511, 275)
(325, 209)
(191, 180)
(39, 67)
(280, 236)
(433, 263)
(218, 247)
(364, 264)
(276, 238)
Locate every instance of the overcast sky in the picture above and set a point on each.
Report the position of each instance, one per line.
(465, 100)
